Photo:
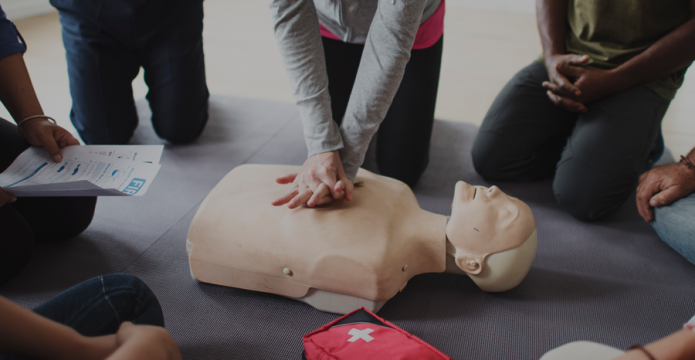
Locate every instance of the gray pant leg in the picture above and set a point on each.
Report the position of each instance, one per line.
(606, 152)
(675, 226)
(523, 133)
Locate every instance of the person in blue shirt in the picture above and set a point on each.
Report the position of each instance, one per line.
(31, 219)
(106, 43)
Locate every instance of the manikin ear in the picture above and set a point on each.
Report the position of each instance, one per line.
(472, 265)
(505, 270)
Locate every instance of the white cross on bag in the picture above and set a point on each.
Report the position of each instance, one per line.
(360, 334)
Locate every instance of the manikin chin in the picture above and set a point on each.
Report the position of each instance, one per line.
(345, 255)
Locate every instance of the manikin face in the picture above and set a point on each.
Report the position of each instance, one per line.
(486, 221)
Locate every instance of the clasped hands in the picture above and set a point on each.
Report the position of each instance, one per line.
(321, 180)
(573, 86)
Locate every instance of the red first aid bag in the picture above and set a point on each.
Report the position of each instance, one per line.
(363, 335)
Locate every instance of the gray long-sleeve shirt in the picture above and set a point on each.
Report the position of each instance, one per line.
(386, 27)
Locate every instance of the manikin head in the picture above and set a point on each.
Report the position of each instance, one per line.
(493, 236)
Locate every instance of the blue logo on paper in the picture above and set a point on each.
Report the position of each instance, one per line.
(134, 186)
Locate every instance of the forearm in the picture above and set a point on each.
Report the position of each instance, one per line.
(677, 346)
(551, 16)
(16, 90)
(386, 54)
(691, 156)
(296, 28)
(669, 54)
(25, 333)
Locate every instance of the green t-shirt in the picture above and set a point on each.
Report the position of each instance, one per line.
(612, 32)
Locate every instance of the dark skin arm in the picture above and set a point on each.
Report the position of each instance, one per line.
(18, 96)
(669, 54)
(663, 185)
(551, 16)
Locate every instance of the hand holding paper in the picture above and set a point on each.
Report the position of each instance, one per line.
(92, 170)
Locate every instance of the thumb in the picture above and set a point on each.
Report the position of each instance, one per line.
(49, 143)
(579, 59)
(347, 183)
(667, 197)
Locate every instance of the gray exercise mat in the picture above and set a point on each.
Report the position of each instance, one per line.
(611, 281)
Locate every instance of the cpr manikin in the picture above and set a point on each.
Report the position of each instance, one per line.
(344, 255)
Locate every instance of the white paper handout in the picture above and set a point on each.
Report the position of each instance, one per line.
(86, 170)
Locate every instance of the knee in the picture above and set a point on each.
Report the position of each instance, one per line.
(71, 224)
(674, 225)
(17, 245)
(486, 156)
(586, 200)
(184, 129)
(132, 299)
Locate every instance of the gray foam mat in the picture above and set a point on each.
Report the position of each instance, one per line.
(611, 281)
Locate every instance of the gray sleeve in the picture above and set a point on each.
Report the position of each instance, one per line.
(386, 52)
(297, 33)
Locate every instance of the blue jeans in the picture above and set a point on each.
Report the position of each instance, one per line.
(98, 306)
(675, 225)
(105, 48)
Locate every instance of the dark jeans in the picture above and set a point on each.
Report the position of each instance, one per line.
(34, 219)
(105, 54)
(403, 139)
(98, 306)
(596, 157)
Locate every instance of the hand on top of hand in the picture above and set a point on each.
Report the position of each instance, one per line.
(661, 186)
(573, 86)
(40, 132)
(321, 180)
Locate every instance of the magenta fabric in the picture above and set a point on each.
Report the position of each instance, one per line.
(427, 35)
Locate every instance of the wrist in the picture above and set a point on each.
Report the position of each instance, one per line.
(33, 118)
(621, 78)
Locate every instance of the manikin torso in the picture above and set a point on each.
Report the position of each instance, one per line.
(336, 257)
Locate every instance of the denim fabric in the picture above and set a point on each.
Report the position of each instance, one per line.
(675, 225)
(105, 52)
(98, 306)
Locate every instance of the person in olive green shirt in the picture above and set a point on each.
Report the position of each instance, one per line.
(589, 111)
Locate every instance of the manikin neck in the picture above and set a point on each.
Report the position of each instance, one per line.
(451, 266)
(430, 230)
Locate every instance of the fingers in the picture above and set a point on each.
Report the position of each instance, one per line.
(287, 179)
(346, 184)
(6, 197)
(286, 198)
(300, 199)
(564, 83)
(567, 104)
(321, 192)
(325, 200)
(64, 138)
(329, 178)
(557, 90)
(646, 189)
(49, 143)
(578, 60)
(667, 196)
